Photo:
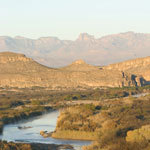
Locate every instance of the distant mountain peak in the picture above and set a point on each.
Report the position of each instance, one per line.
(52, 51)
(79, 62)
(48, 38)
(129, 32)
(80, 65)
(85, 37)
(20, 37)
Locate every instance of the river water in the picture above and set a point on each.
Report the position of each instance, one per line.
(140, 95)
(46, 122)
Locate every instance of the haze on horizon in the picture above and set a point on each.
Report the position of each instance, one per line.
(68, 18)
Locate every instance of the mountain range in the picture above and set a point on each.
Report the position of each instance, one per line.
(53, 52)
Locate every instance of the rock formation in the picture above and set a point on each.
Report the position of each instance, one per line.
(16, 70)
(139, 67)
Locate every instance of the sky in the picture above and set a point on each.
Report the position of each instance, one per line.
(66, 19)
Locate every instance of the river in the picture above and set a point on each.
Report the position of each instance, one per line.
(46, 122)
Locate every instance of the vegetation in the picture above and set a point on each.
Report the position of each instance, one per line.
(84, 121)
(75, 135)
(139, 135)
(1, 127)
(118, 124)
(16, 104)
(18, 146)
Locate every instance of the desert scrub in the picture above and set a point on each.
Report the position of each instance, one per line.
(33, 146)
(11, 115)
(8, 146)
(75, 135)
(77, 118)
(74, 123)
(119, 124)
(139, 135)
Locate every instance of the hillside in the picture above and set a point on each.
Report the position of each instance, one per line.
(52, 51)
(80, 65)
(139, 66)
(17, 70)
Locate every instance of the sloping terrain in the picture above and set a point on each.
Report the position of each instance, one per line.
(139, 66)
(16, 70)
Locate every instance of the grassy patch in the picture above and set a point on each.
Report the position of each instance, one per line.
(75, 135)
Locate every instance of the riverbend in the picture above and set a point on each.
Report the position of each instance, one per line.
(30, 132)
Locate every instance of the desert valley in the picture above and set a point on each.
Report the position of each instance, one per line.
(78, 106)
(74, 75)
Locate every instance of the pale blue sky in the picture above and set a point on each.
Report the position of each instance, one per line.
(67, 18)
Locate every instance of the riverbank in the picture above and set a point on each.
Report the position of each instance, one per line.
(32, 135)
(1, 127)
(74, 135)
(16, 106)
(111, 120)
(74, 123)
(14, 116)
(32, 146)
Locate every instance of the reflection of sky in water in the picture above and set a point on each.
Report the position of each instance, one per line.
(139, 95)
(45, 122)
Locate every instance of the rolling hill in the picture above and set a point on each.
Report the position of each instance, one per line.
(17, 70)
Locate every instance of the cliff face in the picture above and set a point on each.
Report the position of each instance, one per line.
(139, 66)
(130, 64)
(16, 70)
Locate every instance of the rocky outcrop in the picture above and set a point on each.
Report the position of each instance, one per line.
(16, 70)
(8, 57)
(45, 134)
(139, 66)
(130, 64)
(80, 65)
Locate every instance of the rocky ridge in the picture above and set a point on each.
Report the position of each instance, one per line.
(16, 70)
(139, 66)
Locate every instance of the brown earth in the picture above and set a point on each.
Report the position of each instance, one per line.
(139, 66)
(16, 70)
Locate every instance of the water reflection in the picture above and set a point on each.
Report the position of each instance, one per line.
(46, 122)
